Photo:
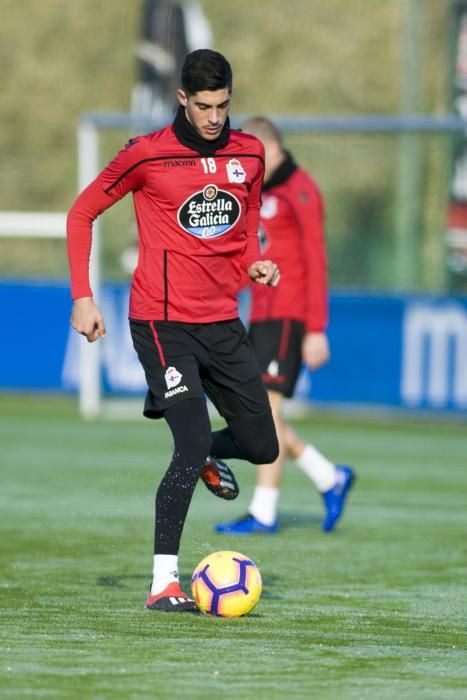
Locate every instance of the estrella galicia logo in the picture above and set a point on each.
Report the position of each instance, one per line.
(209, 213)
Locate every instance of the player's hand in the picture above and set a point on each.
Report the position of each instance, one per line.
(315, 350)
(87, 319)
(264, 272)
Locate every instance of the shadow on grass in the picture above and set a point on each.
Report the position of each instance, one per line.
(289, 520)
(118, 581)
(121, 581)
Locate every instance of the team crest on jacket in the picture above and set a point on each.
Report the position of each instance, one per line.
(235, 171)
(172, 377)
(269, 207)
(209, 213)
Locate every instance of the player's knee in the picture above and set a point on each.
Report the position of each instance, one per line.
(203, 444)
(263, 446)
(191, 430)
(264, 451)
(195, 445)
(257, 437)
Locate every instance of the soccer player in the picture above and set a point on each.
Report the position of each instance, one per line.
(196, 187)
(288, 326)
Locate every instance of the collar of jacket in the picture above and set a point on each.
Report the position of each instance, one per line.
(282, 173)
(189, 137)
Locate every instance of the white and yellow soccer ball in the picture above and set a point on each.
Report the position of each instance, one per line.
(226, 584)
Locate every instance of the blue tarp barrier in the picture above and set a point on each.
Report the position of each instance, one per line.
(394, 350)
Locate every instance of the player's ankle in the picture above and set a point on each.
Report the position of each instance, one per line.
(263, 506)
(165, 572)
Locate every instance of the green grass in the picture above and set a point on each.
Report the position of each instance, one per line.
(375, 610)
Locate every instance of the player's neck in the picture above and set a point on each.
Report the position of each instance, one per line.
(281, 172)
(189, 137)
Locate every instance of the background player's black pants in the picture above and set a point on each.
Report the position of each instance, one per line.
(251, 438)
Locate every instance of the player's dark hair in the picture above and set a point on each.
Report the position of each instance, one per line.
(205, 69)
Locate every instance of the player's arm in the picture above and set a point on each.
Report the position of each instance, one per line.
(260, 271)
(85, 317)
(309, 212)
(118, 178)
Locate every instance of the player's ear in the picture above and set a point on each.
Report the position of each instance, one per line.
(182, 98)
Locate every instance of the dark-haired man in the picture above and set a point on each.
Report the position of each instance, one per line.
(196, 186)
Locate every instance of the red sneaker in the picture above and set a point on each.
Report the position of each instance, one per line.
(171, 599)
(219, 479)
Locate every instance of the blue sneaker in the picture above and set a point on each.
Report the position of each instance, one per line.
(247, 525)
(334, 499)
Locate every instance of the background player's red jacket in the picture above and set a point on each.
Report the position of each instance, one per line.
(292, 235)
(197, 219)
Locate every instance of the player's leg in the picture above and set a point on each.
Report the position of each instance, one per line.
(315, 465)
(249, 438)
(175, 392)
(281, 372)
(233, 383)
(262, 511)
(191, 432)
(333, 481)
(270, 475)
(276, 345)
(264, 503)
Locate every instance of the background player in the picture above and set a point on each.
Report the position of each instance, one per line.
(196, 186)
(288, 326)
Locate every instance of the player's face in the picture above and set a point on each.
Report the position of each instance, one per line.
(206, 111)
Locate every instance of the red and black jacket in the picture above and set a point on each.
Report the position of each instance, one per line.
(292, 235)
(197, 211)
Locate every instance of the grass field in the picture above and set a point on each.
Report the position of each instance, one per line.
(375, 610)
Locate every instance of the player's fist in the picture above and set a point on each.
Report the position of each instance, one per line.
(264, 272)
(87, 319)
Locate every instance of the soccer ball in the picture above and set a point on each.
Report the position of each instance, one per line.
(226, 584)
